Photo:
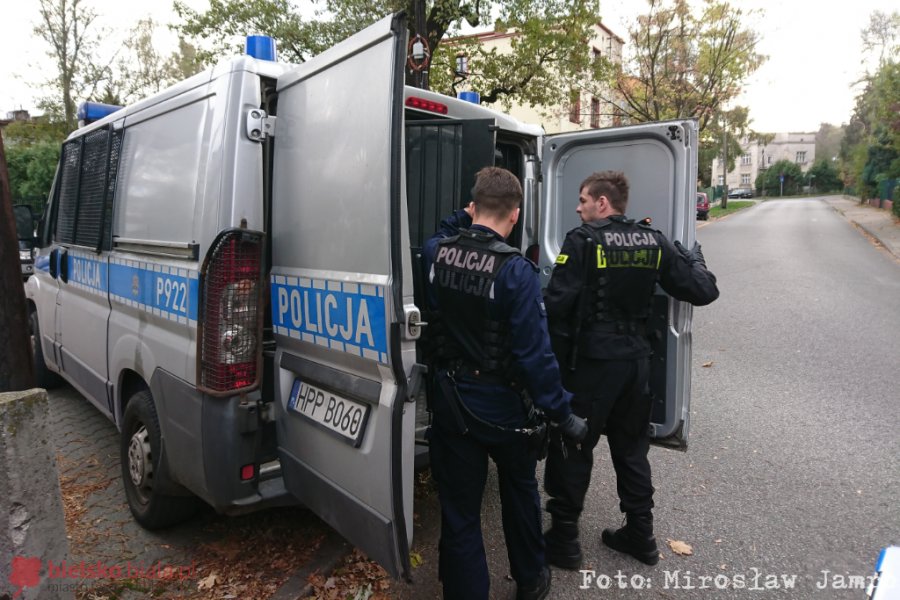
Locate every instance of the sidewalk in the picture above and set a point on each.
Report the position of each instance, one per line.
(878, 223)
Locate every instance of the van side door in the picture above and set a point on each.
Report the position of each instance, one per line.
(342, 292)
(80, 258)
(660, 161)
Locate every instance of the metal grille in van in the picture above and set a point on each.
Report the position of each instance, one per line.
(68, 191)
(115, 148)
(92, 188)
(87, 186)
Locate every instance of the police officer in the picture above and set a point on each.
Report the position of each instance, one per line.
(492, 354)
(598, 302)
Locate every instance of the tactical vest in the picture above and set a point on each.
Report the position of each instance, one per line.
(623, 268)
(472, 330)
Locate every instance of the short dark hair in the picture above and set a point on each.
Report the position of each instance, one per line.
(612, 184)
(496, 192)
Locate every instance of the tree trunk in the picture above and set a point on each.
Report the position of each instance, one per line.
(16, 371)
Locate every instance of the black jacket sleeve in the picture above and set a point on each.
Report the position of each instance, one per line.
(684, 278)
(561, 295)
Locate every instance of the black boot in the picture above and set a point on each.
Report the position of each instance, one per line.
(635, 538)
(563, 549)
(537, 590)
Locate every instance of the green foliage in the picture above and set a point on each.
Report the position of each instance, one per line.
(143, 71)
(549, 48)
(828, 140)
(824, 177)
(31, 169)
(769, 184)
(685, 63)
(733, 206)
(216, 30)
(547, 54)
(870, 150)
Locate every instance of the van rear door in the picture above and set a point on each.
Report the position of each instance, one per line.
(342, 292)
(660, 161)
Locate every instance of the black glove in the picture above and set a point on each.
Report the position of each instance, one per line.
(574, 427)
(694, 255)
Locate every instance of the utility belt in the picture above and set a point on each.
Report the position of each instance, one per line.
(461, 368)
(536, 429)
(636, 328)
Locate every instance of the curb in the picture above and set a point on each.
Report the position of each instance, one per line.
(866, 229)
(328, 557)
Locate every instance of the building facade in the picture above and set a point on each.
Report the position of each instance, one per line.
(799, 148)
(584, 111)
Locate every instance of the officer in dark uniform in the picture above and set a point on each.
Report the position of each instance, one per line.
(494, 364)
(598, 302)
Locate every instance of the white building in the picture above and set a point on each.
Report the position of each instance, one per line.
(799, 148)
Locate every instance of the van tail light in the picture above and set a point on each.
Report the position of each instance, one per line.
(533, 253)
(229, 324)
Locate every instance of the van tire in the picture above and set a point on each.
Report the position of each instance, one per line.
(140, 452)
(43, 376)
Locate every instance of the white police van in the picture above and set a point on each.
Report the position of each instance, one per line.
(230, 270)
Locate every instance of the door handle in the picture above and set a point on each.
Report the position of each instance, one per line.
(64, 266)
(54, 263)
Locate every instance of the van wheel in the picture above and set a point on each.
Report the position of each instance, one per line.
(43, 376)
(140, 453)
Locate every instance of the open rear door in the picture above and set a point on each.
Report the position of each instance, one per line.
(660, 161)
(341, 291)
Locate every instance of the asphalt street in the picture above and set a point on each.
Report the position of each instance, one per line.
(792, 474)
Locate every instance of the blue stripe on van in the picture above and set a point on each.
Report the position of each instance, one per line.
(87, 273)
(170, 291)
(345, 316)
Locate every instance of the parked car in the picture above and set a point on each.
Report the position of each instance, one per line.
(25, 231)
(702, 206)
(741, 193)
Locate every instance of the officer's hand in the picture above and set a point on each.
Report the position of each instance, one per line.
(574, 427)
(694, 255)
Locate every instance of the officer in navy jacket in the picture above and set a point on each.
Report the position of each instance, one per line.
(493, 362)
(598, 302)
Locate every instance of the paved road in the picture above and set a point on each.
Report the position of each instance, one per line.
(793, 468)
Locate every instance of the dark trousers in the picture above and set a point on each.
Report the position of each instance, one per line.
(459, 465)
(610, 395)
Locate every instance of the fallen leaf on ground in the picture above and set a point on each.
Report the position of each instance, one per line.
(208, 582)
(679, 547)
(415, 559)
(708, 364)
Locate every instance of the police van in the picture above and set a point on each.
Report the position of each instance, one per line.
(231, 271)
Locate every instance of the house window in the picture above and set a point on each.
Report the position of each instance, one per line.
(595, 113)
(745, 179)
(745, 159)
(462, 65)
(575, 106)
(801, 157)
(721, 180)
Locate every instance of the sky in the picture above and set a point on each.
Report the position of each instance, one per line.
(814, 50)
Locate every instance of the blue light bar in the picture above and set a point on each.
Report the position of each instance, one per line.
(88, 112)
(473, 97)
(261, 47)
